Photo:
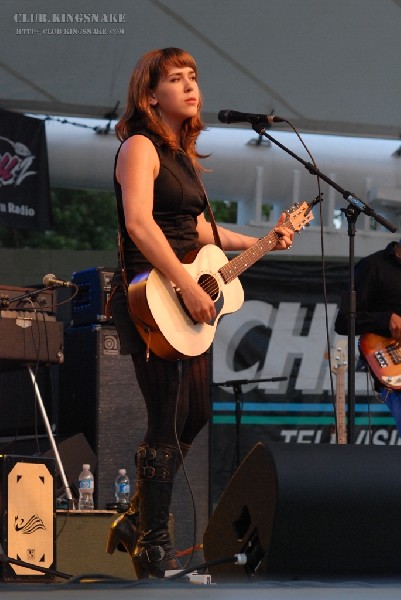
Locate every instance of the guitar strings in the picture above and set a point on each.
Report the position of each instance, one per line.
(210, 285)
(229, 271)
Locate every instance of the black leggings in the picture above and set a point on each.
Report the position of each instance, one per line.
(171, 418)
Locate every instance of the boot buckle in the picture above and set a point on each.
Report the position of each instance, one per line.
(154, 554)
(147, 472)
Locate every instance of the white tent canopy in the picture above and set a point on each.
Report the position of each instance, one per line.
(325, 66)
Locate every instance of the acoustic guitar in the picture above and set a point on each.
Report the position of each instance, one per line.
(157, 308)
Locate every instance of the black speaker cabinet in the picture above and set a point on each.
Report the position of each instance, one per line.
(19, 409)
(100, 397)
(28, 525)
(310, 509)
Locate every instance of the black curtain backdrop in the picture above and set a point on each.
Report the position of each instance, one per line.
(24, 173)
(280, 331)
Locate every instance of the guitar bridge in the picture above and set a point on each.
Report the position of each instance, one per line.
(381, 358)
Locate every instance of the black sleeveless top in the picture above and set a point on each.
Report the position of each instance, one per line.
(179, 198)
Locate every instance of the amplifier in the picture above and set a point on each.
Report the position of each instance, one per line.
(88, 306)
(38, 299)
(31, 337)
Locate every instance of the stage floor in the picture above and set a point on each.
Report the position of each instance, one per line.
(95, 574)
(377, 589)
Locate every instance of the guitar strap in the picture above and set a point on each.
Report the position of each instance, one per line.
(122, 261)
(216, 236)
(107, 308)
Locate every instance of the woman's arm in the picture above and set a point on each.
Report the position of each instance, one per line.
(137, 167)
(232, 240)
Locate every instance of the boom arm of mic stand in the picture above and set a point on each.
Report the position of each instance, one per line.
(234, 382)
(349, 196)
(5, 302)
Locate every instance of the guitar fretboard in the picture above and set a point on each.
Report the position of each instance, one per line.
(246, 259)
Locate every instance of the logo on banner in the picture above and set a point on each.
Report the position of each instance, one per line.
(15, 163)
(24, 174)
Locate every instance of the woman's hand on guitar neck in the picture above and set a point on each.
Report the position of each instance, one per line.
(285, 235)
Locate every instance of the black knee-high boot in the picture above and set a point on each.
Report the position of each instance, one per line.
(124, 531)
(154, 552)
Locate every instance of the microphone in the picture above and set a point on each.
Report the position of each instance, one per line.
(52, 280)
(233, 116)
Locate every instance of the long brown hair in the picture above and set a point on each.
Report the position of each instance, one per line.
(146, 75)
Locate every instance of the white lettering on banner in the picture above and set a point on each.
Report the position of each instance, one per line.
(380, 437)
(22, 210)
(285, 345)
(301, 436)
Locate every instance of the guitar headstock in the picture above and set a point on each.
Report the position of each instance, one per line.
(339, 356)
(299, 216)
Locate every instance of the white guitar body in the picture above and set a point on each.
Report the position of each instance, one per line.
(187, 337)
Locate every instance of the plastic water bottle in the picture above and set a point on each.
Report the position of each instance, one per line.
(86, 489)
(122, 489)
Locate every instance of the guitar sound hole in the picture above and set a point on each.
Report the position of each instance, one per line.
(209, 285)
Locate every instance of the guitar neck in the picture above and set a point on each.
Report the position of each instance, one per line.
(340, 406)
(246, 259)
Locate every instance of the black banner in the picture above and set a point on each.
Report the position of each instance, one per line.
(24, 173)
(280, 332)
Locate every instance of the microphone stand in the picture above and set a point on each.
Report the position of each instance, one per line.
(31, 294)
(237, 384)
(5, 304)
(355, 207)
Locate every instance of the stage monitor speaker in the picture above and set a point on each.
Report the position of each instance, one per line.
(28, 517)
(310, 509)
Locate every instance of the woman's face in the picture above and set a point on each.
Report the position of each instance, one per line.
(176, 96)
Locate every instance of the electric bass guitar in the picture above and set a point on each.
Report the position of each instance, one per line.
(383, 357)
(157, 308)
